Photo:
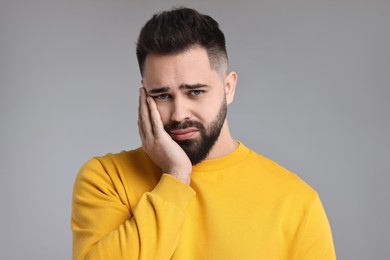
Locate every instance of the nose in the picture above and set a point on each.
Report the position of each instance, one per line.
(180, 110)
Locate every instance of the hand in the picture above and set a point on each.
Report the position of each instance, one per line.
(158, 144)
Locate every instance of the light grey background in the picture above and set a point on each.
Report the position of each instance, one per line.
(313, 94)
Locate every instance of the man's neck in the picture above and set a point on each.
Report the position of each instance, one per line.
(224, 145)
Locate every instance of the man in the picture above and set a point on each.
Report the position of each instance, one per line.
(192, 191)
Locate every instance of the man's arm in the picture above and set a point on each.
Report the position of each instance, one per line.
(103, 227)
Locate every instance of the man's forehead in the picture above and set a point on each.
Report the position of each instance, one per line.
(184, 69)
(195, 55)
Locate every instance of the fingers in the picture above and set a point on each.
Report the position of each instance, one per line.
(140, 127)
(144, 126)
(149, 120)
(155, 118)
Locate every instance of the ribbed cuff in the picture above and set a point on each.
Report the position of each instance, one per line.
(174, 191)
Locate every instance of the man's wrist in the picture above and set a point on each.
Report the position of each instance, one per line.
(173, 190)
(181, 175)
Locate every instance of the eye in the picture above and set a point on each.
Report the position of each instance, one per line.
(196, 92)
(161, 96)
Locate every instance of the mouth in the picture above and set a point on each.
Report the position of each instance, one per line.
(183, 134)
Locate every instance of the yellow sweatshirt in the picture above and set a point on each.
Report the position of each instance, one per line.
(241, 206)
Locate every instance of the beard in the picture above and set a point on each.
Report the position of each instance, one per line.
(197, 149)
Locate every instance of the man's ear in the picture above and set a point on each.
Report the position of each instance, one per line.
(230, 86)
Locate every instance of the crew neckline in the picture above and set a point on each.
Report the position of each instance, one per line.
(223, 162)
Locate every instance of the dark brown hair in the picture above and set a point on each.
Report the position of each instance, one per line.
(177, 30)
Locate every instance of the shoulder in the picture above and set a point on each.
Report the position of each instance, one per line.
(134, 160)
(119, 168)
(280, 179)
(122, 158)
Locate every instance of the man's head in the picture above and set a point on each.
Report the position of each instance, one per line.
(183, 62)
(175, 31)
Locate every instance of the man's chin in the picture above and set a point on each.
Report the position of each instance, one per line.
(195, 150)
(187, 143)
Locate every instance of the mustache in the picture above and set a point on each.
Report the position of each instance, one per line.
(183, 125)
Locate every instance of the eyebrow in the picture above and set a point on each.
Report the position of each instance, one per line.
(193, 86)
(182, 86)
(159, 90)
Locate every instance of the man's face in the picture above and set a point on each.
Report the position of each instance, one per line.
(190, 97)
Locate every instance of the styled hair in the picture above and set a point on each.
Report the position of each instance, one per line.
(177, 30)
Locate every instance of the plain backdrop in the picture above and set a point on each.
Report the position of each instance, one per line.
(313, 95)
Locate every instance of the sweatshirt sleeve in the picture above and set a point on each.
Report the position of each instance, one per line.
(316, 238)
(104, 227)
